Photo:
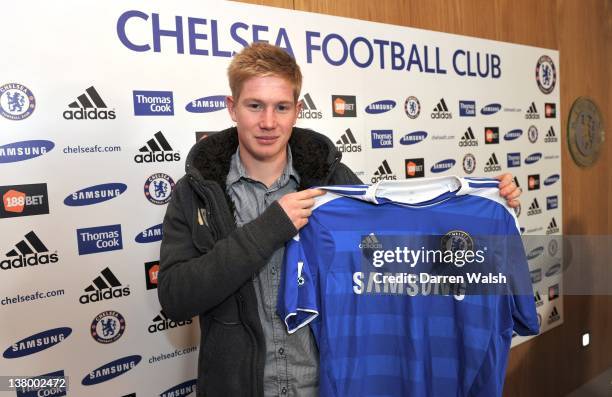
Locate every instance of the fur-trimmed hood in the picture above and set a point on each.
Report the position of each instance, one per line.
(314, 156)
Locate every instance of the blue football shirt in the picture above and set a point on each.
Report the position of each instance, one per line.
(393, 336)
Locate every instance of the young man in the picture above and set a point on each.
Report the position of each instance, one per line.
(225, 228)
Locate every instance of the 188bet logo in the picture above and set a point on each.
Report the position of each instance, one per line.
(16, 101)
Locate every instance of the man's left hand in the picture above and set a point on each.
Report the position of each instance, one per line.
(509, 190)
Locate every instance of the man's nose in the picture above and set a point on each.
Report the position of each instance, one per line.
(268, 119)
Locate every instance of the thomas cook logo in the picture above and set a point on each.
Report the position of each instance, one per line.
(99, 239)
(28, 252)
(206, 104)
(546, 74)
(89, 106)
(37, 342)
(104, 287)
(107, 327)
(16, 101)
(111, 370)
(153, 103)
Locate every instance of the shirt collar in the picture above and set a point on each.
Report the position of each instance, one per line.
(238, 172)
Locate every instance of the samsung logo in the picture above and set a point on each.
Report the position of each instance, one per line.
(534, 253)
(551, 179)
(206, 104)
(24, 150)
(533, 158)
(111, 370)
(491, 108)
(413, 137)
(513, 134)
(180, 390)
(95, 194)
(380, 107)
(150, 235)
(443, 165)
(38, 342)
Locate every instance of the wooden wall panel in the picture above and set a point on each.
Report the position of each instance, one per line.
(552, 364)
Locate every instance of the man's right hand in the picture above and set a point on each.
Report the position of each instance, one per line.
(298, 205)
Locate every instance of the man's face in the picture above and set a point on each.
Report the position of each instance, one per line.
(264, 114)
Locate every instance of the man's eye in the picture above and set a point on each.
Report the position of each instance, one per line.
(255, 106)
(283, 108)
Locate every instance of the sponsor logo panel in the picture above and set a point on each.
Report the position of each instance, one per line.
(153, 103)
(89, 106)
(17, 102)
(24, 200)
(97, 239)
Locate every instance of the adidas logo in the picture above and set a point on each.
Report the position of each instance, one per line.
(28, 252)
(468, 138)
(383, 173)
(550, 135)
(157, 150)
(538, 299)
(532, 112)
(534, 208)
(441, 111)
(552, 227)
(492, 165)
(89, 106)
(309, 110)
(104, 287)
(162, 323)
(554, 315)
(370, 241)
(347, 143)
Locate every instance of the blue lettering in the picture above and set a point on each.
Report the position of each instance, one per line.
(256, 30)
(455, 65)
(469, 66)
(282, 36)
(486, 72)
(495, 66)
(309, 46)
(193, 36)
(381, 44)
(370, 52)
(215, 41)
(236, 37)
(414, 58)
(427, 68)
(439, 70)
(158, 32)
(344, 49)
(395, 55)
(122, 21)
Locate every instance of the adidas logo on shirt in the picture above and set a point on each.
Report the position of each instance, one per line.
(554, 315)
(552, 227)
(532, 112)
(441, 111)
(534, 208)
(157, 150)
(383, 173)
(538, 299)
(347, 143)
(104, 287)
(550, 135)
(309, 110)
(468, 138)
(28, 252)
(89, 106)
(492, 165)
(162, 323)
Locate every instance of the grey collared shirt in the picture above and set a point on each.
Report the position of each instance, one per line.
(291, 366)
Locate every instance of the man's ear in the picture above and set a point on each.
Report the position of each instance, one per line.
(298, 108)
(231, 106)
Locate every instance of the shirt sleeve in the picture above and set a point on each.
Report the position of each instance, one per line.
(297, 303)
(524, 311)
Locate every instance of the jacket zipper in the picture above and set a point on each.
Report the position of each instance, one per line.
(202, 194)
(241, 309)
